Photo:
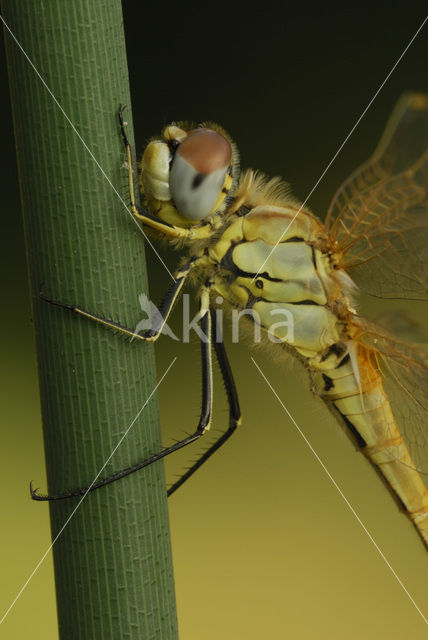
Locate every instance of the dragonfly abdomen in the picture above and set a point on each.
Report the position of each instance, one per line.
(352, 385)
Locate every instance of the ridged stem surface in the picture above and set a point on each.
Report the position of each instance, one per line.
(113, 568)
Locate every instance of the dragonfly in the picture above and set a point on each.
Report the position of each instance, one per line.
(246, 239)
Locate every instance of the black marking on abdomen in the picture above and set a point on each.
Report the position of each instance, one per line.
(362, 444)
(328, 382)
(338, 349)
(359, 438)
(344, 360)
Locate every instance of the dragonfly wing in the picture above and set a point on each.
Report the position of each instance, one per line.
(404, 368)
(378, 219)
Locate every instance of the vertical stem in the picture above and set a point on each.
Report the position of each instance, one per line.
(113, 566)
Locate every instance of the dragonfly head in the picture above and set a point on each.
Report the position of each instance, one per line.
(189, 173)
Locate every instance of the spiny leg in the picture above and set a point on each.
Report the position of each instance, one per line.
(203, 424)
(165, 308)
(232, 397)
(129, 163)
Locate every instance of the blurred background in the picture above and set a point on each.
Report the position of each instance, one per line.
(264, 546)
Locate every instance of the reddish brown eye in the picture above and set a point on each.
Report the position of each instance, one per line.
(198, 172)
(206, 150)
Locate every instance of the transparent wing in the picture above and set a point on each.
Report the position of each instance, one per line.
(378, 219)
(404, 368)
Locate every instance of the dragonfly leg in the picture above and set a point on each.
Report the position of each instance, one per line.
(203, 424)
(142, 214)
(151, 334)
(232, 396)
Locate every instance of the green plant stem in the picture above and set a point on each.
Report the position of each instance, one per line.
(113, 568)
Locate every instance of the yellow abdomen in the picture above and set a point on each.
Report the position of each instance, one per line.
(352, 384)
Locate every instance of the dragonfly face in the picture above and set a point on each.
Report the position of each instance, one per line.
(187, 175)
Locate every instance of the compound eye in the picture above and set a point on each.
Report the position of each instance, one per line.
(198, 172)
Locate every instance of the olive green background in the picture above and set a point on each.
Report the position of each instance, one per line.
(264, 546)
